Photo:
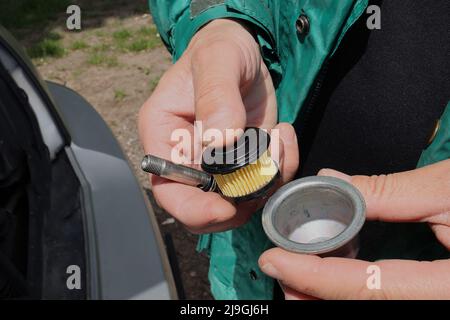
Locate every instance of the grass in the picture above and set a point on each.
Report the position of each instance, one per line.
(100, 55)
(25, 17)
(79, 45)
(103, 47)
(100, 33)
(53, 36)
(95, 59)
(123, 40)
(142, 39)
(139, 45)
(98, 58)
(47, 48)
(121, 35)
(16, 14)
(119, 95)
(148, 31)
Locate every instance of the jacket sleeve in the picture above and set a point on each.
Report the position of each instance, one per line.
(178, 20)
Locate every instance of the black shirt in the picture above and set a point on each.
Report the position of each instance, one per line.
(382, 94)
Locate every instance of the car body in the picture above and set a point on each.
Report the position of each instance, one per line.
(78, 225)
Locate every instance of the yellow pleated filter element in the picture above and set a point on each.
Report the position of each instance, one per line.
(248, 179)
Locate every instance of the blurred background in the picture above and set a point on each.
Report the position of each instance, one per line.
(115, 61)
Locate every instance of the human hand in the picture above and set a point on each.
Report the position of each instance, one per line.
(421, 195)
(222, 81)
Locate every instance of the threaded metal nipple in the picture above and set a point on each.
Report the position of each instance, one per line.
(178, 173)
(152, 165)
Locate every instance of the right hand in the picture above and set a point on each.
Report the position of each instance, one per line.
(222, 81)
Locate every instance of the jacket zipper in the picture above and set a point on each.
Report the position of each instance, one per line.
(314, 95)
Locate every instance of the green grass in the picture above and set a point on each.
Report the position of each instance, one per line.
(142, 39)
(103, 47)
(101, 59)
(100, 33)
(95, 59)
(148, 31)
(53, 36)
(121, 35)
(47, 48)
(30, 13)
(100, 55)
(119, 95)
(139, 45)
(79, 45)
(25, 17)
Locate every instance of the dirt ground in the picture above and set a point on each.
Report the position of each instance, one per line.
(115, 62)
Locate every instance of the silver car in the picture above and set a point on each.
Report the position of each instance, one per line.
(74, 223)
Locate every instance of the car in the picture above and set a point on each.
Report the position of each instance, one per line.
(74, 221)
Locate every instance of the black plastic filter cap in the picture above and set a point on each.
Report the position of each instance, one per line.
(246, 150)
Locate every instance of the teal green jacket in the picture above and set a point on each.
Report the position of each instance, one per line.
(295, 61)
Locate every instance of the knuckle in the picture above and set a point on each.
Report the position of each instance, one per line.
(208, 212)
(210, 91)
(381, 187)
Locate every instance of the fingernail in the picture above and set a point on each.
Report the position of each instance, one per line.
(270, 270)
(334, 173)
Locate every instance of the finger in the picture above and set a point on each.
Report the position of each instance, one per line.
(196, 209)
(260, 101)
(339, 278)
(166, 114)
(286, 154)
(407, 196)
(241, 217)
(442, 233)
(216, 78)
(291, 294)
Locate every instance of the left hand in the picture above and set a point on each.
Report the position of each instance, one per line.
(421, 195)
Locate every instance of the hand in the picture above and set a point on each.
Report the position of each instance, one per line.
(421, 195)
(222, 81)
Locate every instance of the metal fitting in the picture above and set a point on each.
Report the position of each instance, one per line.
(178, 173)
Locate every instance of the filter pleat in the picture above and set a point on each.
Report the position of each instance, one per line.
(248, 179)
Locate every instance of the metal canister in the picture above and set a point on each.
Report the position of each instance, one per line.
(316, 215)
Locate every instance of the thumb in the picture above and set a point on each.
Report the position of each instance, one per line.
(406, 196)
(216, 79)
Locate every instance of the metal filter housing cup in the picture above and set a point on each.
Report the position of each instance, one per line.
(316, 215)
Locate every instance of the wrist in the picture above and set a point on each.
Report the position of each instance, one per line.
(235, 30)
